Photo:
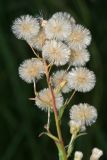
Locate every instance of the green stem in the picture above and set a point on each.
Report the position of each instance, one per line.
(48, 121)
(72, 95)
(62, 151)
(60, 145)
(71, 145)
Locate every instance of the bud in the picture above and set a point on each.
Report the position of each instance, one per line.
(78, 155)
(96, 154)
(75, 127)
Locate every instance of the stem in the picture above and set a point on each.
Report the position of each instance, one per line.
(33, 50)
(56, 115)
(48, 121)
(49, 134)
(72, 95)
(34, 86)
(71, 145)
(61, 157)
(61, 143)
(62, 149)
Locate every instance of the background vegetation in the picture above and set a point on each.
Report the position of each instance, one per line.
(21, 121)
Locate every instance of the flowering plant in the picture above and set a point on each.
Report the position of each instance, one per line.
(58, 42)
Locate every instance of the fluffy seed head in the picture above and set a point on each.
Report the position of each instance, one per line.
(38, 41)
(81, 79)
(96, 154)
(78, 155)
(56, 52)
(83, 113)
(44, 100)
(66, 15)
(79, 37)
(58, 27)
(58, 78)
(31, 69)
(79, 57)
(25, 27)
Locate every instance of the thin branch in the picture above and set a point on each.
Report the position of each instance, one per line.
(50, 135)
(72, 95)
(48, 122)
(33, 51)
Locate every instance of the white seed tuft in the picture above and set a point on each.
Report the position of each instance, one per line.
(25, 27)
(79, 57)
(79, 37)
(56, 52)
(83, 113)
(31, 69)
(81, 79)
(58, 27)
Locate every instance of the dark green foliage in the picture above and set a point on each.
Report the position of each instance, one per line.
(20, 120)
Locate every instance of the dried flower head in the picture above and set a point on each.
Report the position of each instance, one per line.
(58, 27)
(79, 57)
(44, 99)
(56, 52)
(31, 69)
(83, 113)
(78, 155)
(82, 79)
(79, 37)
(96, 154)
(61, 77)
(38, 41)
(25, 27)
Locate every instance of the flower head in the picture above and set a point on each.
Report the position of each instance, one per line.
(25, 27)
(78, 155)
(79, 37)
(58, 78)
(66, 15)
(38, 41)
(83, 113)
(31, 69)
(81, 79)
(58, 27)
(56, 52)
(44, 99)
(79, 57)
(96, 154)
(76, 127)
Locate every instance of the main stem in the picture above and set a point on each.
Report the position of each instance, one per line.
(58, 124)
(61, 143)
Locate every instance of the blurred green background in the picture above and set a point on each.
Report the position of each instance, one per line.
(21, 121)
